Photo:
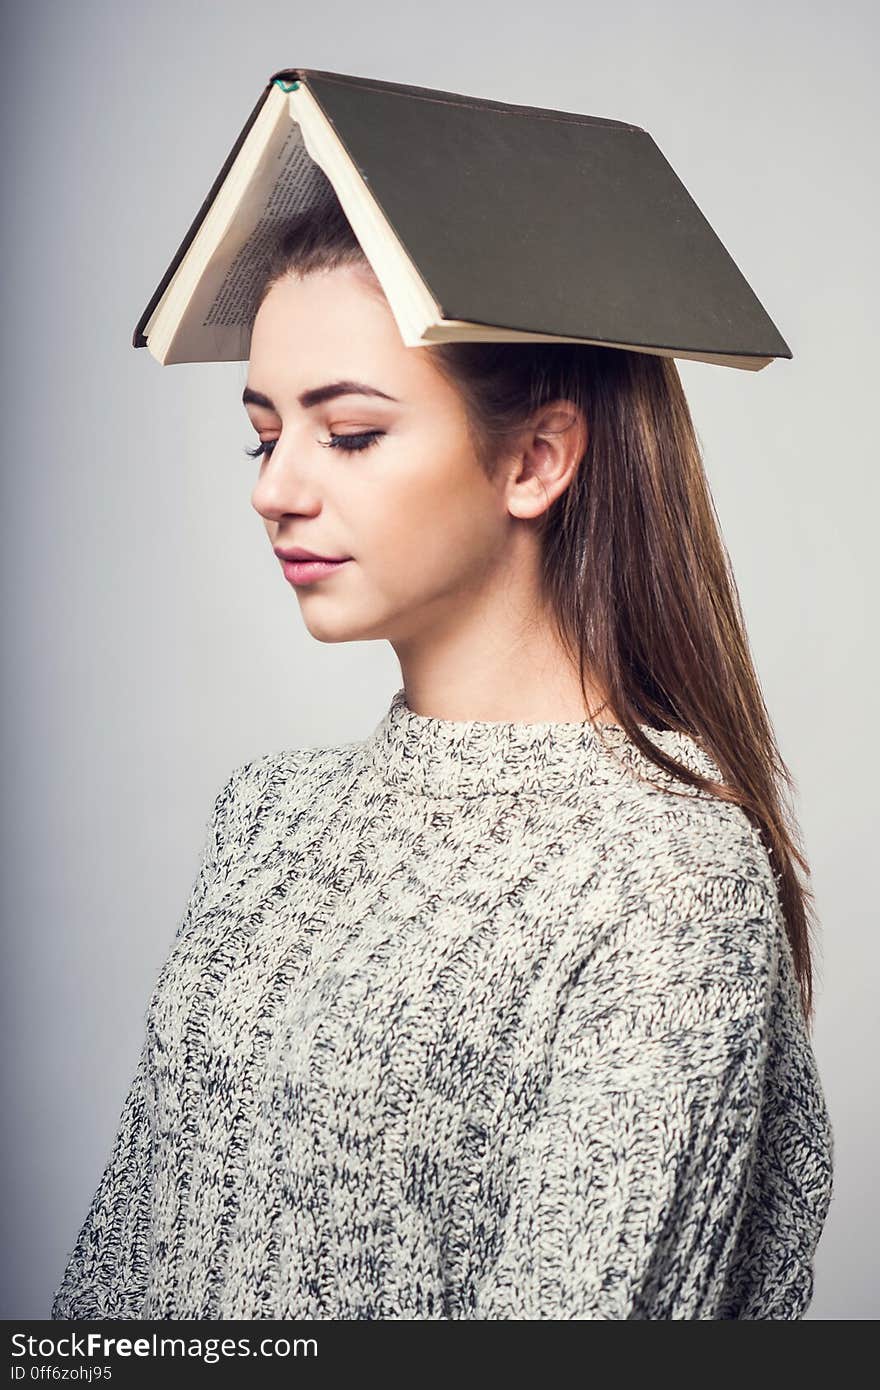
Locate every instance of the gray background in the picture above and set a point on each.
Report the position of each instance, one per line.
(151, 645)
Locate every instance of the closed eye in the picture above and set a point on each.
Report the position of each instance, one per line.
(350, 443)
(265, 446)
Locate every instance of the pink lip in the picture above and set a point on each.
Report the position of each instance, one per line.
(296, 552)
(308, 571)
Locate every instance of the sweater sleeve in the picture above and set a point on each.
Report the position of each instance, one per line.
(627, 1191)
(106, 1272)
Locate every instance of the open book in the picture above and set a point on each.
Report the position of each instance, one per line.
(483, 221)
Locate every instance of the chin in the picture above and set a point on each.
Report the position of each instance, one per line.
(341, 627)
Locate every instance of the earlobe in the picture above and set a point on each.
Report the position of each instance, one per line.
(543, 473)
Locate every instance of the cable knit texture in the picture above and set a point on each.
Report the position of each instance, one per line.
(468, 1020)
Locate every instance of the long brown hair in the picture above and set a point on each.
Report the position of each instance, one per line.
(638, 577)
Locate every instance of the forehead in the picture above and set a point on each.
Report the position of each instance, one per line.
(320, 313)
(330, 326)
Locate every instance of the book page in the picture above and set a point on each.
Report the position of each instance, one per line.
(217, 319)
(288, 182)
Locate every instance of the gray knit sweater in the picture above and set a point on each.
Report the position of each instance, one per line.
(467, 1020)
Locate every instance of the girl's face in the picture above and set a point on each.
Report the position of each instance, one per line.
(425, 529)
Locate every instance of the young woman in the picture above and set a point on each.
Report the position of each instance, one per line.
(505, 1011)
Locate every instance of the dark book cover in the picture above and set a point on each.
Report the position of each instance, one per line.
(533, 219)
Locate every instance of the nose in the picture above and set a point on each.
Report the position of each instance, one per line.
(282, 489)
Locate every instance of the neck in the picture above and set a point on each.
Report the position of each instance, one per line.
(492, 671)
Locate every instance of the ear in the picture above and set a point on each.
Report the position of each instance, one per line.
(546, 458)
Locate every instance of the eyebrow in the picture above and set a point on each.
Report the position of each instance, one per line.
(318, 394)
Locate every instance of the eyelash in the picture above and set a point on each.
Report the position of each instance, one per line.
(364, 441)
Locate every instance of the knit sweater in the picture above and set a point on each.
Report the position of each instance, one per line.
(468, 1020)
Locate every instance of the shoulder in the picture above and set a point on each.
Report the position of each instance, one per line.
(665, 837)
(284, 777)
(687, 897)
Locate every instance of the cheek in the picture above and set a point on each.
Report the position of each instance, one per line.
(431, 530)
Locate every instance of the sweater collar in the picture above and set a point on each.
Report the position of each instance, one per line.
(450, 757)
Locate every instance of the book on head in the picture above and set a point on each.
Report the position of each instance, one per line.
(484, 221)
